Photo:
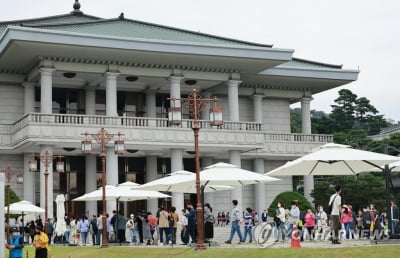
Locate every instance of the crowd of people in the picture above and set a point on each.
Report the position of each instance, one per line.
(340, 222)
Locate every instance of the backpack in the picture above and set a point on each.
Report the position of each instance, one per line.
(211, 218)
(330, 207)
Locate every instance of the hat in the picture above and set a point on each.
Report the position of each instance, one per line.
(345, 206)
(14, 229)
(132, 215)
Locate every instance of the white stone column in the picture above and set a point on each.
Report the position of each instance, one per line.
(46, 87)
(233, 99)
(90, 182)
(236, 194)
(90, 100)
(29, 97)
(111, 94)
(151, 174)
(257, 107)
(2, 218)
(306, 129)
(208, 197)
(29, 181)
(177, 164)
(111, 174)
(151, 103)
(205, 114)
(175, 90)
(259, 188)
(50, 212)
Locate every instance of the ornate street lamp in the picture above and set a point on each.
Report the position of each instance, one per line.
(102, 137)
(196, 104)
(9, 172)
(46, 159)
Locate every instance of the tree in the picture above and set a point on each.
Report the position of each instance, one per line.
(343, 112)
(357, 138)
(359, 190)
(13, 196)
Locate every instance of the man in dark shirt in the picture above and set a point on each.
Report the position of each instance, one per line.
(191, 216)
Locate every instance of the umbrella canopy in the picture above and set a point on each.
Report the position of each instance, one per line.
(122, 194)
(179, 181)
(128, 184)
(217, 177)
(231, 175)
(61, 226)
(334, 159)
(24, 207)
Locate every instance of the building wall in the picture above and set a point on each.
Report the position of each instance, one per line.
(11, 103)
(276, 115)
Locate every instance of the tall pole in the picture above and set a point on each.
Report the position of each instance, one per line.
(196, 104)
(199, 206)
(104, 240)
(102, 137)
(46, 159)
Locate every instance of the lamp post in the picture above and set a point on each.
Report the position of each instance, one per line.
(196, 104)
(102, 137)
(9, 172)
(46, 159)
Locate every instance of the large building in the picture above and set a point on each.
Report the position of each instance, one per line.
(63, 75)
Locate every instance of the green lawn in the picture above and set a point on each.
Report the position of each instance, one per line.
(121, 252)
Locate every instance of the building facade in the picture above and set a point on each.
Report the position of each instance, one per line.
(61, 76)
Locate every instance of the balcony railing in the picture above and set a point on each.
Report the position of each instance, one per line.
(127, 122)
(92, 120)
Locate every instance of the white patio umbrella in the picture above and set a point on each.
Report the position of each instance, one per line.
(334, 159)
(128, 184)
(179, 181)
(61, 226)
(24, 207)
(122, 194)
(231, 175)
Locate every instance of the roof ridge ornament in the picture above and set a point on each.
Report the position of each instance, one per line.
(76, 7)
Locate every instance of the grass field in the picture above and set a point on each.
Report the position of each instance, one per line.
(121, 252)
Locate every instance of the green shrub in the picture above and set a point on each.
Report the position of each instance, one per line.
(286, 198)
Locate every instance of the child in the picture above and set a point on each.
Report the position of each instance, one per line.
(248, 225)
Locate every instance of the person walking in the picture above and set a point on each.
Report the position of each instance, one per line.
(264, 216)
(184, 223)
(248, 225)
(346, 220)
(120, 226)
(83, 228)
(235, 223)
(99, 224)
(394, 216)
(294, 217)
(310, 223)
(191, 217)
(41, 243)
(175, 218)
(163, 225)
(322, 222)
(280, 221)
(131, 227)
(15, 243)
(335, 202)
(209, 221)
(94, 229)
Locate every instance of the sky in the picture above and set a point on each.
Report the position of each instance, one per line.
(359, 34)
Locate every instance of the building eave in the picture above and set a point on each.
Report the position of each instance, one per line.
(322, 73)
(92, 40)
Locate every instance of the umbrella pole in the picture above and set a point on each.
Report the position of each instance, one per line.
(386, 171)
